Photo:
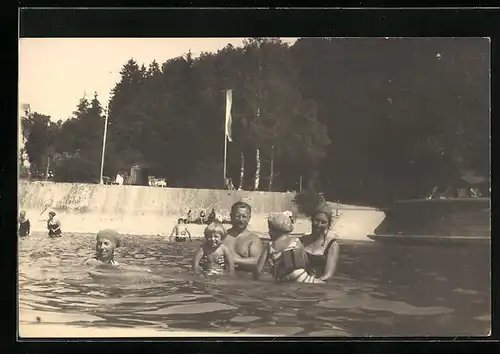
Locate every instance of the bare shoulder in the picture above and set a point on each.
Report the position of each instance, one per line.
(91, 261)
(252, 236)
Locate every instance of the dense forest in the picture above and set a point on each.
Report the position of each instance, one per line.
(369, 120)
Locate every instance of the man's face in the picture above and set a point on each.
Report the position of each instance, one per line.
(240, 218)
(105, 249)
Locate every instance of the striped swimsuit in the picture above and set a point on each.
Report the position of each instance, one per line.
(216, 268)
(289, 265)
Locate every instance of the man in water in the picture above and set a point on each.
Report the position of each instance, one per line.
(106, 243)
(244, 244)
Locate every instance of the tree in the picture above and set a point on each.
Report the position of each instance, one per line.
(79, 144)
(40, 133)
(284, 124)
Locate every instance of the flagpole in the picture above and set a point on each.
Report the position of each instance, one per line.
(225, 156)
(104, 143)
(227, 128)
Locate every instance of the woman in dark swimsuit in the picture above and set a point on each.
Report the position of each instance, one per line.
(322, 250)
(54, 225)
(24, 225)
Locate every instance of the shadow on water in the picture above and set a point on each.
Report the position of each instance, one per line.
(380, 290)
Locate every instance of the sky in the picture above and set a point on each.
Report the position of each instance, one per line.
(54, 73)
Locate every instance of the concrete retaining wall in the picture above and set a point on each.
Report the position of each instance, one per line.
(141, 210)
(140, 200)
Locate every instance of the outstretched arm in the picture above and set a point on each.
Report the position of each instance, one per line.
(229, 259)
(189, 234)
(260, 263)
(197, 259)
(331, 261)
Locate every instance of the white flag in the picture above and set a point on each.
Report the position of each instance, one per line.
(229, 119)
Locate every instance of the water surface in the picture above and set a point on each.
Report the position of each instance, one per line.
(379, 290)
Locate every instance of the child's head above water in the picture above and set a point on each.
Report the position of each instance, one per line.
(22, 214)
(214, 234)
(279, 224)
(180, 221)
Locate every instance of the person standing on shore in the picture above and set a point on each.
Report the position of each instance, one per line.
(24, 225)
(244, 244)
(54, 225)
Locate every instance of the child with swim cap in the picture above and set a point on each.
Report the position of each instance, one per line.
(180, 232)
(213, 257)
(106, 243)
(54, 225)
(285, 254)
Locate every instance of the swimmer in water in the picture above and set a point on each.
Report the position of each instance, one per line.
(213, 257)
(285, 254)
(180, 232)
(54, 225)
(106, 243)
(24, 225)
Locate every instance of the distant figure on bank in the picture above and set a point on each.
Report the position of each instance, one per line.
(213, 257)
(244, 244)
(106, 243)
(119, 179)
(211, 217)
(180, 232)
(24, 225)
(189, 216)
(285, 254)
(54, 225)
(202, 217)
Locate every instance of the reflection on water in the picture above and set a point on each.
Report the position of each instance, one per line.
(380, 290)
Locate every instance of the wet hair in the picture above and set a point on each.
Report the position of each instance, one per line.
(215, 227)
(323, 210)
(241, 205)
(53, 213)
(180, 219)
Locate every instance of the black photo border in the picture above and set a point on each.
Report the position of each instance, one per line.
(217, 22)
